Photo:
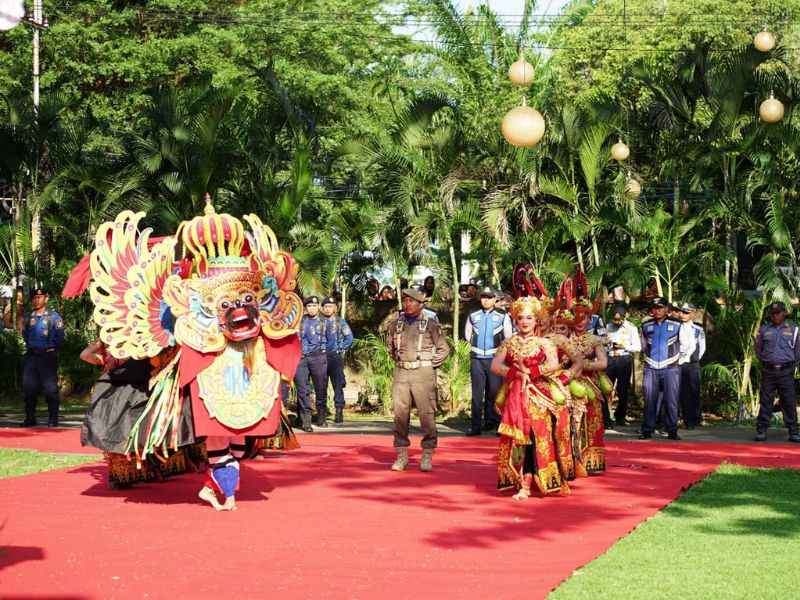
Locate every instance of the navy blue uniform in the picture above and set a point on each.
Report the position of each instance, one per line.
(661, 349)
(778, 351)
(314, 340)
(485, 331)
(43, 335)
(340, 338)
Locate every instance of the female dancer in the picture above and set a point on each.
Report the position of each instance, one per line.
(531, 432)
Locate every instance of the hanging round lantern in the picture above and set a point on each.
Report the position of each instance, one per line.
(764, 41)
(11, 13)
(620, 151)
(523, 126)
(633, 188)
(771, 109)
(521, 72)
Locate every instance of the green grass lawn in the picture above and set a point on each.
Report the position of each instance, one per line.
(23, 462)
(734, 535)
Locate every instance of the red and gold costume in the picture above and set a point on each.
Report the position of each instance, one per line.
(534, 426)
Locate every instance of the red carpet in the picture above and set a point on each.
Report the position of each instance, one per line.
(331, 521)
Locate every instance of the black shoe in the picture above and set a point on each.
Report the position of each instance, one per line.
(645, 436)
(761, 436)
(29, 423)
(472, 433)
(609, 424)
(52, 423)
(795, 438)
(673, 435)
(321, 422)
(306, 417)
(339, 418)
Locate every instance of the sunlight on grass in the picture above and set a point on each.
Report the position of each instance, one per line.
(734, 535)
(24, 462)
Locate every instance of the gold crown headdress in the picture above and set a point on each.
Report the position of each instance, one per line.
(524, 306)
(214, 240)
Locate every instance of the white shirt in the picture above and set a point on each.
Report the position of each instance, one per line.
(627, 335)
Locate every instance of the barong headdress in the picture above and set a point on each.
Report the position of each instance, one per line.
(573, 296)
(526, 284)
(526, 305)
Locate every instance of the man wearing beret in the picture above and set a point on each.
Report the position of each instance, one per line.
(778, 350)
(313, 334)
(340, 338)
(662, 347)
(418, 347)
(43, 333)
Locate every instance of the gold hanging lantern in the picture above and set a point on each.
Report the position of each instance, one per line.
(521, 72)
(633, 188)
(771, 109)
(523, 126)
(620, 151)
(764, 41)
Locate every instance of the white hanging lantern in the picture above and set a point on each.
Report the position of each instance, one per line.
(521, 72)
(633, 188)
(764, 41)
(11, 13)
(771, 109)
(523, 126)
(620, 151)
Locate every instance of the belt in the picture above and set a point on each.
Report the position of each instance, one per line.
(618, 353)
(778, 366)
(414, 364)
(315, 353)
(39, 351)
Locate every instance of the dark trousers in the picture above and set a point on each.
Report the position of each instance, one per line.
(315, 365)
(661, 386)
(336, 375)
(40, 372)
(690, 394)
(782, 382)
(485, 386)
(619, 372)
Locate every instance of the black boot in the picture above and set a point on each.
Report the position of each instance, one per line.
(321, 419)
(339, 416)
(307, 421)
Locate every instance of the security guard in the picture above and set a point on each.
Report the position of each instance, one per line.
(43, 333)
(340, 338)
(623, 342)
(662, 346)
(597, 326)
(690, 366)
(485, 330)
(778, 350)
(314, 340)
(417, 346)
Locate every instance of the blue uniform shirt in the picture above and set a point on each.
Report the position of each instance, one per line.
(43, 332)
(340, 336)
(313, 335)
(661, 343)
(485, 331)
(777, 345)
(596, 326)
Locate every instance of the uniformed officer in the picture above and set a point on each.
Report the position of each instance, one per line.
(690, 366)
(597, 326)
(778, 350)
(485, 330)
(623, 342)
(417, 346)
(314, 341)
(662, 346)
(43, 333)
(340, 338)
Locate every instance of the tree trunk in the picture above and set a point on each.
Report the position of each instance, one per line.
(579, 248)
(495, 272)
(676, 198)
(456, 298)
(344, 301)
(595, 251)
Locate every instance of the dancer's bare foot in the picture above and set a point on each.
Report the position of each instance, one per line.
(523, 494)
(208, 495)
(230, 504)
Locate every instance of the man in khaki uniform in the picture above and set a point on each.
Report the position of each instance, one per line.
(418, 347)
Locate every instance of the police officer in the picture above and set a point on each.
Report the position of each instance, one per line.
(43, 333)
(417, 346)
(690, 366)
(314, 341)
(662, 346)
(485, 330)
(596, 326)
(623, 342)
(778, 350)
(340, 338)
